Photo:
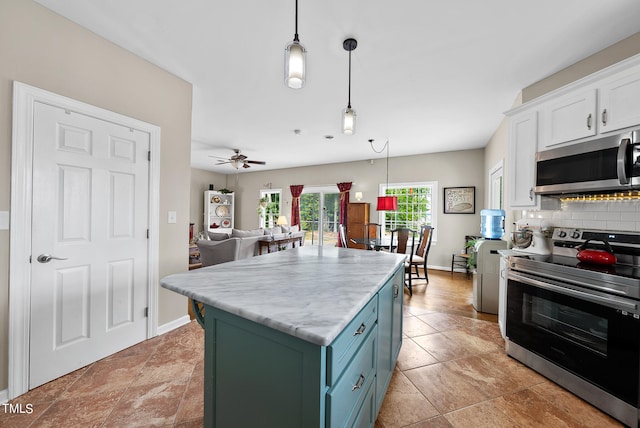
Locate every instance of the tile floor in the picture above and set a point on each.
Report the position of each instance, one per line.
(452, 372)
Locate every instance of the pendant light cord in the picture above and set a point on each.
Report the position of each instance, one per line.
(295, 36)
(386, 146)
(349, 101)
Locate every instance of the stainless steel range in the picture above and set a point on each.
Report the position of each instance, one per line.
(578, 323)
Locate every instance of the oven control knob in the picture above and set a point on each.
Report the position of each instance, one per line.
(562, 234)
(575, 234)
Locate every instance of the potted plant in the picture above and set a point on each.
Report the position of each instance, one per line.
(263, 201)
(471, 261)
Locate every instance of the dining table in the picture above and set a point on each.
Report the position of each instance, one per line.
(376, 244)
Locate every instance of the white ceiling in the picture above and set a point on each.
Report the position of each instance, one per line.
(429, 76)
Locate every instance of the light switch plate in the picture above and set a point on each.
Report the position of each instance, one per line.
(171, 217)
(4, 220)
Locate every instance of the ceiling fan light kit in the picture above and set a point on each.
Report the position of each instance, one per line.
(238, 160)
(295, 59)
(348, 114)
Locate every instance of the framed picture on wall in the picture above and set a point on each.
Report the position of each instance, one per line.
(460, 200)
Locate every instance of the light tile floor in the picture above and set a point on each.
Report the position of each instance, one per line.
(452, 372)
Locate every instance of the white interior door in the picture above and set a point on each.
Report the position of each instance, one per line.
(89, 267)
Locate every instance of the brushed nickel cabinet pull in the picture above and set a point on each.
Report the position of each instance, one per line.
(604, 117)
(359, 383)
(589, 118)
(360, 329)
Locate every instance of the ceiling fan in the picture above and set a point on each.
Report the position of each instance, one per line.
(238, 160)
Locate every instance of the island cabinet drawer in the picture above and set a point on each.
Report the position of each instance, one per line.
(346, 398)
(341, 350)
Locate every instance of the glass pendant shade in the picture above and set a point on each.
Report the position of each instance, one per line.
(387, 203)
(295, 65)
(348, 121)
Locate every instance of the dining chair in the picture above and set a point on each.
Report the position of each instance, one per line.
(342, 235)
(403, 242)
(371, 235)
(464, 259)
(419, 259)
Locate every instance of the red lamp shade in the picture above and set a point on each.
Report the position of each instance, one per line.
(387, 203)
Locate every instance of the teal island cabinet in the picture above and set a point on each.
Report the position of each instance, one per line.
(301, 338)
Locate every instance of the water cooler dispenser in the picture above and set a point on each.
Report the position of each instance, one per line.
(487, 276)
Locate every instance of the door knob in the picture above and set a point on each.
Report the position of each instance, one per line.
(46, 258)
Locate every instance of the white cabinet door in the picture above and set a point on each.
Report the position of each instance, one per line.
(620, 102)
(523, 141)
(568, 118)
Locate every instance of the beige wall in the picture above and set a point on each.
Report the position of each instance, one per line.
(42, 49)
(615, 53)
(450, 169)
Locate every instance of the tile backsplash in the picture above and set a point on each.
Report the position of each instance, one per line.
(623, 215)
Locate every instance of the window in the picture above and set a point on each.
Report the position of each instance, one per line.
(417, 206)
(269, 207)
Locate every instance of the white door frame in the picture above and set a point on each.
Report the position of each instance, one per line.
(494, 200)
(24, 97)
(321, 190)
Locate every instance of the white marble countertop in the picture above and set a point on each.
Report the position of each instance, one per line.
(309, 292)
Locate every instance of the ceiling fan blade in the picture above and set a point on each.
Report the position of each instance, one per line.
(246, 165)
(218, 157)
(256, 162)
(223, 162)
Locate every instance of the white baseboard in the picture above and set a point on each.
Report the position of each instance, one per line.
(4, 396)
(172, 325)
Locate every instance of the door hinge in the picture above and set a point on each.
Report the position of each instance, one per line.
(149, 155)
(146, 312)
(147, 233)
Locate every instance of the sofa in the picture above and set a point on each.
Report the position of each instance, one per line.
(239, 244)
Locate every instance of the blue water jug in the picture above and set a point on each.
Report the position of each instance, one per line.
(492, 224)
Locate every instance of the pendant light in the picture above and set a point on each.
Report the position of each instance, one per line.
(386, 203)
(348, 114)
(295, 59)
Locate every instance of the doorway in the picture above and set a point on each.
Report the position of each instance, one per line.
(85, 185)
(496, 173)
(320, 215)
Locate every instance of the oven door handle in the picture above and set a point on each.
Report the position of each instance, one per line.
(611, 302)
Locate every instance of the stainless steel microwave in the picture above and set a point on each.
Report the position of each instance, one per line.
(603, 165)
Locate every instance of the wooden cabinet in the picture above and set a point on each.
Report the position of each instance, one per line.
(289, 382)
(357, 217)
(218, 211)
(523, 143)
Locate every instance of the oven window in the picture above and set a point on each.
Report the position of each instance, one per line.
(581, 328)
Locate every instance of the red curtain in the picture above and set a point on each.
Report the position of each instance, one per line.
(296, 191)
(344, 202)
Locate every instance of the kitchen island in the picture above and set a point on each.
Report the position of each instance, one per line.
(306, 337)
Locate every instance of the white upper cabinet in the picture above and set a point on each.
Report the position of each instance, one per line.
(523, 139)
(620, 102)
(568, 118)
(602, 103)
